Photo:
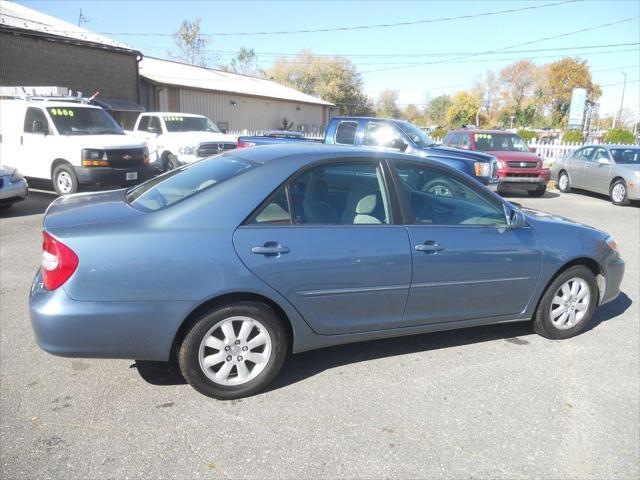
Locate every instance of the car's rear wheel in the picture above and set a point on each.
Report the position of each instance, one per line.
(564, 185)
(568, 304)
(234, 350)
(537, 193)
(618, 193)
(64, 180)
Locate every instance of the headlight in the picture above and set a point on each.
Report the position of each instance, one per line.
(187, 150)
(613, 245)
(16, 176)
(483, 169)
(94, 158)
(145, 156)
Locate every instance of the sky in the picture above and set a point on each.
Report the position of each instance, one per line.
(451, 54)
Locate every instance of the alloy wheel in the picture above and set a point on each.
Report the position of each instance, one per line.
(618, 192)
(570, 303)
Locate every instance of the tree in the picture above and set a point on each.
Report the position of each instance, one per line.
(333, 79)
(522, 89)
(488, 91)
(463, 110)
(191, 44)
(387, 105)
(621, 136)
(286, 125)
(561, 78)
(412, 114)
(436, 111)
(245, 62)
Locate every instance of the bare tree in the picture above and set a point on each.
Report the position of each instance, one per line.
(191, 43)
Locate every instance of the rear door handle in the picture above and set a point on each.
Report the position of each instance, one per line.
(270, 248)
(429, 247)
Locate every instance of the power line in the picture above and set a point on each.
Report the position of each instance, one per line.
(502, 49)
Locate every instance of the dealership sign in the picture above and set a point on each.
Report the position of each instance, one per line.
(576, 110)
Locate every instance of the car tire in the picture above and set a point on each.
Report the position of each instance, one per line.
(537, 193)
(501, 191)
(170, 162)
(618, 193)
(64, 180)
(564, 312)
(244, 339)
(564, 184)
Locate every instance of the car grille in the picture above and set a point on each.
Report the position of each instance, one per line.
(208, 149)
(522, 164)
(126, 157)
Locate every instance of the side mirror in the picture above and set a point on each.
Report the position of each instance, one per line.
(515, 218)
(38, 127)
(603, 161)
(398, 144)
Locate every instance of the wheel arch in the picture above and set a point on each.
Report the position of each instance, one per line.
(224, 299)
(615, 179)
(56, 163)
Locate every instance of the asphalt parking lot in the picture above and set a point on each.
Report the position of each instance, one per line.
(491, 402)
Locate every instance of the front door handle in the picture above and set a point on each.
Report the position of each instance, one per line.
(270, 248)
(429, 247)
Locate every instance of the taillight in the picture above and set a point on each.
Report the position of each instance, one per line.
(245, 144)
(58, 262)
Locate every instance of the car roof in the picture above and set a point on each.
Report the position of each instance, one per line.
(610, 145)
(50, 103)
(311, 152)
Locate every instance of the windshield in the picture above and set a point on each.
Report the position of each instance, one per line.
(417, 136)
(499, 142)
(189, 124)
(83, 121)
(176, 185)
(626, 155)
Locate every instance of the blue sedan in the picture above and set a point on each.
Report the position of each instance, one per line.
(232, 262)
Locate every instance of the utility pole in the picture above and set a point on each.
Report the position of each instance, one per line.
(624, 86)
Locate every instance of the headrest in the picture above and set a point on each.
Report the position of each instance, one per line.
(361, 199)
(317, 190)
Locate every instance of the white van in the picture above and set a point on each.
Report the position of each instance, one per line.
(69, 142)
(178, 138)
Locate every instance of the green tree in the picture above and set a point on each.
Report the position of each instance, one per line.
(621, 136)
(245, 62)
(463, 110)
(412, 114)
(191, 43)
(573, 136)
(436, 111)
(333, 79)
(561, 78)
(387, 105)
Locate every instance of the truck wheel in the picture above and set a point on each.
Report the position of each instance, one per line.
(64, 180)
(170, 162)
(618, 193)
(537, 193)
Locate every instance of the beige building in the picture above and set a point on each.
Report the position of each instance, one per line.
(234, 102)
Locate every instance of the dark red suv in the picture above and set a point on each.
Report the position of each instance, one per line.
(518, 167)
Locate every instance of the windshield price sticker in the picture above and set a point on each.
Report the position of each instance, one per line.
(173, 119)
(482, 135)
(61, 112)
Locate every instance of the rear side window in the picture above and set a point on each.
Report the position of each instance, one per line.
(346, 133)
(32, 116)
(165, 190)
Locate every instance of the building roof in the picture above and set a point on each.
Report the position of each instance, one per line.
(19, 18)
(183, 75)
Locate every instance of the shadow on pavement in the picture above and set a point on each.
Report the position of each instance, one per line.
(36, 204)
(308, 364)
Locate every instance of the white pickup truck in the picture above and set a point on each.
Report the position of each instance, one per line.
(174, 139)
(70, 143)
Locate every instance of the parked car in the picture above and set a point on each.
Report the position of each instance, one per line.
(292, 248)
(70, 143)
(518, 167)
(13, 186)
(395, 135)
(612, 170)
(175, 139)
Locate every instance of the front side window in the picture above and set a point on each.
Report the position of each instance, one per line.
(583, 154)
(35, 121)
(143, 124)
(436, 198)
(165, 190)
(177, 123)
(154, 125)
(350, 193)
(601, 154)
(346, 133)
(499, 142)
(83, 121)
(381, 135)
(417, 136)
(626, 155)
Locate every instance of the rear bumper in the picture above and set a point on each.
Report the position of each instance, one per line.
(107, 176)
(136, 330)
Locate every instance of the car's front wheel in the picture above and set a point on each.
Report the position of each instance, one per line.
(564, 185)
(234, 350)
(537, 193)
(618, 193)
(568, 304)
(65, 180)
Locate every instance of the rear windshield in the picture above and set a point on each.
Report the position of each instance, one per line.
(176, 185)
(626, 155)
